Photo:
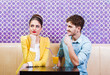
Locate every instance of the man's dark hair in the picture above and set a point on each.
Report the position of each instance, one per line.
(76, 20)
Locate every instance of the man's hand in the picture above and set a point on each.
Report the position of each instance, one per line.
(67, 40)
(59, 63)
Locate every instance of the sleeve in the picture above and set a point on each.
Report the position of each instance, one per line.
(43, 61)
(84, 53)
(30, 63)
(24, 51)
(60, 52)
(24, 47)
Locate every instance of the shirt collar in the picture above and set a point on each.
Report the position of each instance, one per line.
(78, 40)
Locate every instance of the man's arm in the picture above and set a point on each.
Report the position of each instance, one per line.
(83, 54)
(73, 56)
(60, 54)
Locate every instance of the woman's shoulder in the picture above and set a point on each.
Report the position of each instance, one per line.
(45, 38)
(24, 37)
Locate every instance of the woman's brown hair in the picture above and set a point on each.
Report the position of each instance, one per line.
(38, 18)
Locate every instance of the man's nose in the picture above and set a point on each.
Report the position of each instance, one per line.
(67, 29)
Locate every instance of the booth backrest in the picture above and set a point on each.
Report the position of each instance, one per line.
(11, 57)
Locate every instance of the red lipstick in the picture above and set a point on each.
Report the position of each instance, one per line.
(34, 31)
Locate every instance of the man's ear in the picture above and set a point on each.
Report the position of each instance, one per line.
(79, 28)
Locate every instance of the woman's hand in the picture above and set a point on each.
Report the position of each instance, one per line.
(33, 40)
(24, 66)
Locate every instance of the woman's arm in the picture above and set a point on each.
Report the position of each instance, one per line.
(24, 51)
(43, 61)
(24, 47)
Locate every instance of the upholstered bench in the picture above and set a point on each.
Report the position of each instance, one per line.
(11, 57)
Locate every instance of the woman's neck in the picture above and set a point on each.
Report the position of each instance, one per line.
(37, 39)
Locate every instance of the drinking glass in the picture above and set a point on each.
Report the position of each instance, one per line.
(55, 61)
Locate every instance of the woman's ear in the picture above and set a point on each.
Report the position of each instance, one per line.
(41, 29)
(29, 28)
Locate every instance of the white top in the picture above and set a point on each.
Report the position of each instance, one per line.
(37, 58)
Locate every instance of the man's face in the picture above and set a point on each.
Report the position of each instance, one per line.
(72, 30)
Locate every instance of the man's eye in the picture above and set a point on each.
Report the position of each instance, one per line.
(69, 26)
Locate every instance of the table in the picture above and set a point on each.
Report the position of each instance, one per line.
(49, 71)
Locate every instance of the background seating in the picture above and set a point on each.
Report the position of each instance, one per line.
(11, 57)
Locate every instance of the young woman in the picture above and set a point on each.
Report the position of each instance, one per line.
(34, 46)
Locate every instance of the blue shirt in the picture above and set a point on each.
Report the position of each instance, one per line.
(82, 48)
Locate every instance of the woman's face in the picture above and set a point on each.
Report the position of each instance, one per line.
(35, 27)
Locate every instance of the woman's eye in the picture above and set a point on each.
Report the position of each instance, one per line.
(37, 26)
(32, 25)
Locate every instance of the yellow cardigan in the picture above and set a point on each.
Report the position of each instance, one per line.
(30, 56)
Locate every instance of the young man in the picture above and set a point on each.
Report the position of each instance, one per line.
(75, 47)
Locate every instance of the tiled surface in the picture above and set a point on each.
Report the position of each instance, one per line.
(15, 14)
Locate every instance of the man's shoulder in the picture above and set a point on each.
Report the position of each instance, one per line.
(85, 38)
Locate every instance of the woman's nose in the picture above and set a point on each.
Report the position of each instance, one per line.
(34, 28)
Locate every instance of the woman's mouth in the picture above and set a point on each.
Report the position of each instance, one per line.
(34, 31)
